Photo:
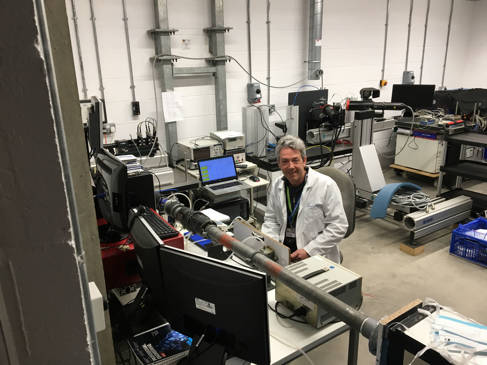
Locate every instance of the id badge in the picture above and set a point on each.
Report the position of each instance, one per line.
(290, 232)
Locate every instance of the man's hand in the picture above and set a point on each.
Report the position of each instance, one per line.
(299, 255)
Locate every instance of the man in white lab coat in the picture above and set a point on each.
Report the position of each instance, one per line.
(304, 207)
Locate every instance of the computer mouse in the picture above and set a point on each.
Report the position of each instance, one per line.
(254, 178)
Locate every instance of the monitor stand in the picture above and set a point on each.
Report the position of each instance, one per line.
(203, 352)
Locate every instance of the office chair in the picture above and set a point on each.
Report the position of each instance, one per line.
(347, 188)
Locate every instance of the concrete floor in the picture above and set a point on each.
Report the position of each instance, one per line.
(392, 278)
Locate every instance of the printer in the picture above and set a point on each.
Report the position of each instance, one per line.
(233, 144)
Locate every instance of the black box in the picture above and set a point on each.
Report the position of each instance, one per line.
(140, 190)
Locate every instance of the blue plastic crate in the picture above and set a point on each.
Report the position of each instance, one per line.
(465, 243)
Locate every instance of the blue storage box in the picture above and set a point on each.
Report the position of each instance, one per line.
(470, 241)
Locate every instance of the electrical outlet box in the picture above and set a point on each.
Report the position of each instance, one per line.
(254, 93)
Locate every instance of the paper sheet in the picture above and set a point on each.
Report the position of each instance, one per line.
(172, 106)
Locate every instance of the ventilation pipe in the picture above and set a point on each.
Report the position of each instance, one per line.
(314, 45)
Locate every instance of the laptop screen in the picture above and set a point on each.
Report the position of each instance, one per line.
(217, 169)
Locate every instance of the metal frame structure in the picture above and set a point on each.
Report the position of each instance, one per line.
(166, 72)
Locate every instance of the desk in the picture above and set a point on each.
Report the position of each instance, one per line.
(269, 162)
(287, 336)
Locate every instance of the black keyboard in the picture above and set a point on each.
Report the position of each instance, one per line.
(160, 227)
(227, 185)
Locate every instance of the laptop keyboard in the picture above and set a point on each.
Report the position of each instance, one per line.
(227, 185)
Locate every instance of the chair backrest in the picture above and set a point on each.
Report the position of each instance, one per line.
(347, 188)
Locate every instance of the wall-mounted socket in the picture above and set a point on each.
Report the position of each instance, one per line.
(109, 128)
(186, 43)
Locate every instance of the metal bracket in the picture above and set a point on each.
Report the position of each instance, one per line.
(164, 58)
(217, 29)
(159, 31)
(218, 59)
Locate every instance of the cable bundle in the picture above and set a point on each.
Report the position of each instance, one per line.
(416, 199)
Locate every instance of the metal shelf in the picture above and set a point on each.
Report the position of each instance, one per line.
(470, 169)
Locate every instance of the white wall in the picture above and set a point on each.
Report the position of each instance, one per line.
(474, 72)
(353, 36)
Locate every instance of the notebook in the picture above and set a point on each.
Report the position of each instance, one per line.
(219, 175)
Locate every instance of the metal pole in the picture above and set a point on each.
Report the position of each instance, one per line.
(97, 50)
(129, 54)
(268, 23)
(199, 223)
(249, 41)
(78, 47)
(424, 39)
(162, 44)
(447, 44)
(409, 34)
(68, 179)
(385, 41)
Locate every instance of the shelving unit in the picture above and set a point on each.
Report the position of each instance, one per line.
(454, 164)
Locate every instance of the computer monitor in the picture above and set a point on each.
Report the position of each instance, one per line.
(217, 169)
(146, 245)
(305, 99)
(226, 303)
(415, 96)
(111, 189)
(96, 118)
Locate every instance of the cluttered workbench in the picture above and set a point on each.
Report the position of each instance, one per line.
(313, 153)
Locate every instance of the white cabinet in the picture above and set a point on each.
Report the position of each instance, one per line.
(419, 153)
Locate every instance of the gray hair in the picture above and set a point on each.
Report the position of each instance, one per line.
(292, 142)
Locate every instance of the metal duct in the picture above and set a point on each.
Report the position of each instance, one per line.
(314, 43)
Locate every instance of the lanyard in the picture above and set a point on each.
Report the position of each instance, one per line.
(293, 211)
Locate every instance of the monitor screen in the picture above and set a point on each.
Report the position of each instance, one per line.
(217, 169)
(111, 189)
(415, 96)
(305, 99)
(96, 118)
(226, 303)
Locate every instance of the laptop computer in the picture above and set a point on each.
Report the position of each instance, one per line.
(219, 175)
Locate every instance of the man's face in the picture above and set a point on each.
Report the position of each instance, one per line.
(292, 165)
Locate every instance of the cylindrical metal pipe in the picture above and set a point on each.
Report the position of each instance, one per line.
(411, 5)
(447, 44)
(97, 50)
(424, 40)
(249, 41)
(386, 31)
(129, 54)
(268, 22)
(314, 40)
(78, 48)
(199, 223)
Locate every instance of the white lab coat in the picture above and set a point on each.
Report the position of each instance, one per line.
(321, 221)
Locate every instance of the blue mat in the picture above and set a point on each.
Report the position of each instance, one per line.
(383, 199)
